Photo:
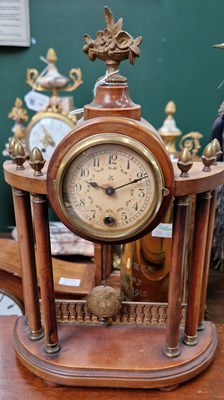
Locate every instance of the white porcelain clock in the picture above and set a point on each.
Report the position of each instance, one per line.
(9, 305)
(46, 130)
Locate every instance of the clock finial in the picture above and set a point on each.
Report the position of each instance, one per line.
(112, 45)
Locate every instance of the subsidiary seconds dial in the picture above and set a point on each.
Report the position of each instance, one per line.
(110, 188)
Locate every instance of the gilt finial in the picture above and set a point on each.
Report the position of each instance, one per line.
(112, 45)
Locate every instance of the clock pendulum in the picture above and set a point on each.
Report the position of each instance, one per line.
(111, 181)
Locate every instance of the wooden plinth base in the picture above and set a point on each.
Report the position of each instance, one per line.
(119, 356)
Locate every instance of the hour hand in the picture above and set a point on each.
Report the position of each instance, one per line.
(94, 185)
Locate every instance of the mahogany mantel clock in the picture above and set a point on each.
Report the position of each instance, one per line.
(110, 180)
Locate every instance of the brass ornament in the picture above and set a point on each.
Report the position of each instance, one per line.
(217, 148)
(112, 45)
(191, 141)
(208, 157)
(18, 114)
(18, 155)
(219, 46)
(11, 144)
(52, 79)
(169, 131)
(36, 161)
(185, 162)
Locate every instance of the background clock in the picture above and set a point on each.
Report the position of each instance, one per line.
(9, 304)
(46, 130)
(48, 127)
(110, 186)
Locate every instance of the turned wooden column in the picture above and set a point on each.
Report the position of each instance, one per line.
(23, 218)
(207, 259)
(179, 237)
(202, 211)
(45, 273)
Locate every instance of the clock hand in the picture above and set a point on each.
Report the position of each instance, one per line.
(95, 185)
(130, 183)
(47, 138)
(110, 190)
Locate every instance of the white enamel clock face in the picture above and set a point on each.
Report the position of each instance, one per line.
(9, 305)
(47, 132)
(112, 188)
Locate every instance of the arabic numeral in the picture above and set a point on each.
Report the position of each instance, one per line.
(135, 206)
(93, 213)
(84, 172)
(141, 193)
(78, 187)
(82, 202)
(113, 159)
(139, 174)
(124, 216)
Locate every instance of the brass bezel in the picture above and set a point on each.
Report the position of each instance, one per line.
(81, 227)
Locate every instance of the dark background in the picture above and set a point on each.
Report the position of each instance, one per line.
(178, 61)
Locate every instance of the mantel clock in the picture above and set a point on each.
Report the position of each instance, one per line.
(111, 180)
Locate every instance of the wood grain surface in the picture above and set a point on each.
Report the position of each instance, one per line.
(18, 383)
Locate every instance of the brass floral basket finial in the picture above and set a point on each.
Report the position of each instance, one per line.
(112, 45)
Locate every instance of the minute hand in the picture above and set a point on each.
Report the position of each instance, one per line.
(130, 183)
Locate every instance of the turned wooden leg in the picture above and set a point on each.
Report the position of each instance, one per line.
(181, 207)
(197, 269)
(23, 218)
(207, 259)
(45, 273)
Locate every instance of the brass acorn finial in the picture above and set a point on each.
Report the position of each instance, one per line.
(185, 162)
(208, 157)
(217, 148)
(112, 45)
(11, 145)
(37, 161)
(18, 154)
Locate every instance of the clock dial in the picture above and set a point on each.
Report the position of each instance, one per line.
(111, 187)
(9, 305)
(47, 131)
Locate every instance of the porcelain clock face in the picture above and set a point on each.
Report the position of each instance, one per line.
(46, 130)
(110, 187)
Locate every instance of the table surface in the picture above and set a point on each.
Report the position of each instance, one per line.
(16, 382)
